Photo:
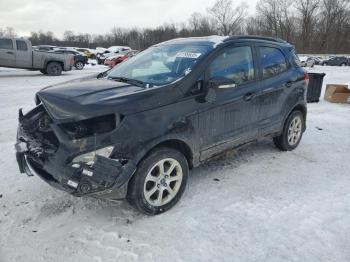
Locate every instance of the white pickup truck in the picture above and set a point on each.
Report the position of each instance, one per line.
(18, 53)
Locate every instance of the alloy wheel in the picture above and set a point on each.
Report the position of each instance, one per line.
(294, 131)
(163, 182)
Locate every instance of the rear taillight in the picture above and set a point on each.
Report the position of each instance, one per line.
(306, 78)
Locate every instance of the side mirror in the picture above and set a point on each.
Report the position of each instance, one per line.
(103, 74)
(198, 87)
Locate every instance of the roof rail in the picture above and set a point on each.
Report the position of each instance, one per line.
(257, 37)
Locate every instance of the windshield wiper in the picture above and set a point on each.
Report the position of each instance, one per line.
(127, 80)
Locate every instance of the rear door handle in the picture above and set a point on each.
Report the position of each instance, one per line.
(10, 53)
(248, 96)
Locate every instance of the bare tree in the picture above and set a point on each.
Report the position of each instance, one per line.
(276, 16)
(8, 32)
(229, 19)
(68, 36)
(307, 10)
(201, 25)
(335, 20)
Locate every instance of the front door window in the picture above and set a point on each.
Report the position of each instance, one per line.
(234, 64)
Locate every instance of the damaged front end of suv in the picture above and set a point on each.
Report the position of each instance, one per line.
(77, 156)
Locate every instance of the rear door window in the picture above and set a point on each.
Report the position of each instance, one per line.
(21, 45)
(6, 43)
(273, 61)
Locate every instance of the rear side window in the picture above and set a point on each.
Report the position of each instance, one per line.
(235, 64)
(273, 61)
(21, 45)
(6, 43)
(296, 58)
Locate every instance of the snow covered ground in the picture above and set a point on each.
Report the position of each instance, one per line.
(254, 204)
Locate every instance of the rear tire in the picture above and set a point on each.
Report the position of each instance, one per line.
(54, 69)
(292, 132)
(79, 65)
(159, 181)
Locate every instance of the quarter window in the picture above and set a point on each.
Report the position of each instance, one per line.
(234, 64)
(21, 45)
(6, 43)
(273, 61)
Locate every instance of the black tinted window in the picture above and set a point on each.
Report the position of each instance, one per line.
(296, 58)
(6, 43)
(235, 64)
(273, 61)
(21, 45)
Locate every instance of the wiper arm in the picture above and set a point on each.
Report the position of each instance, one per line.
(127, 80)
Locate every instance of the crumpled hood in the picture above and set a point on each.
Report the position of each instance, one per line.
(86, 98)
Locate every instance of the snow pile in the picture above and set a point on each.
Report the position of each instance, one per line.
(255, 204)
(217, 40)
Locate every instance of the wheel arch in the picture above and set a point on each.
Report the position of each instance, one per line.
(174, 143)
(54, 61)
(298, 107)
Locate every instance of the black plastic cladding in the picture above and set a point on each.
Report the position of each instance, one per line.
(170, 115)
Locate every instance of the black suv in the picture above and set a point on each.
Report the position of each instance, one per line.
(80, 59)
(336, 61)
(136, 130)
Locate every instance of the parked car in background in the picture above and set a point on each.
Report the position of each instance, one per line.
(116, 59)
(18, 53)
(80, 59)
(194, 98)
(336, 61)
(113, 50)
(99, 50)
(86, 51)
(318, 59)
(44, 47)
(307, 61)
(116, 49)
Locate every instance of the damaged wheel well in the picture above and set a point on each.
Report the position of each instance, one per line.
(178, 145)
(300, 108)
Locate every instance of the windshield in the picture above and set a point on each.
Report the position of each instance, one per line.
(160, 65)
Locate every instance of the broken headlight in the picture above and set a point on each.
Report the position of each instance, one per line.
(88, 158)
(91, 126)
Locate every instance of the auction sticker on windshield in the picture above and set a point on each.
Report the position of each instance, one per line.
(188, 55)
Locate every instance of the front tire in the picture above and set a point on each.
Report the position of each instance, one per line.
(54, 69)
(159, 181)
(292, 132)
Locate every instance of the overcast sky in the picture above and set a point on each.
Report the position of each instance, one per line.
(97, 16)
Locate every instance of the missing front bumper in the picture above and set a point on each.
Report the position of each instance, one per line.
(107, 178)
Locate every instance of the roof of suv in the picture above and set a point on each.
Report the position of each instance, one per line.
(215, 40)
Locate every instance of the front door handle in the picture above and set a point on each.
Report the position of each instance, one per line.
(289, 84)
(248, 96)
(9, 52)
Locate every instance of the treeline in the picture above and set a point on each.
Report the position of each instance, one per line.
(313, 26)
